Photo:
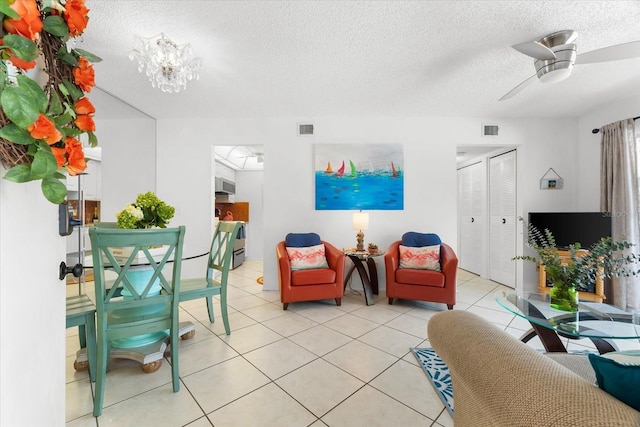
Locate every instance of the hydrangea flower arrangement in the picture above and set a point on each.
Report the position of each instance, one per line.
(148, 211)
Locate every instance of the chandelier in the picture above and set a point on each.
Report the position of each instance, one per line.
(167, 65)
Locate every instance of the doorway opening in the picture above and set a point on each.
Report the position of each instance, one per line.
(243, 165)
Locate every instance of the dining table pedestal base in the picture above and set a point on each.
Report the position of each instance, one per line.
(149, 355)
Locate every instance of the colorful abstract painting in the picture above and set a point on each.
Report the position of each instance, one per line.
(359, 176)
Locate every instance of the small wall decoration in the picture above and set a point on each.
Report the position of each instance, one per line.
(359, 176)
(551, 180)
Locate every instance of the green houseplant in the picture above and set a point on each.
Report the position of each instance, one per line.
(606, 258)
(147, 211)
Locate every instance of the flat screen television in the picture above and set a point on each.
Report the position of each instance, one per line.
(567, 228)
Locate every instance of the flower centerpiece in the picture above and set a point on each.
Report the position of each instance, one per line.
(148, 211)
(42, 120)
(605, 258)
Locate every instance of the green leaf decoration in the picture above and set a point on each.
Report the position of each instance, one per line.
(3, 79)
(5, 9)
(44, 165)
(93, 140)
(21, 47)
(55, 105)
(19, 105)
(63, 120)
(90, 56)
(54, 190)
(63, 90)
(35, 92)
(19, 173)
(67, 57)
(32, 149)
(15, 134)
(54, 24)
(73, 90)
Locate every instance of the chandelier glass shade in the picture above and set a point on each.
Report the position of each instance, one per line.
(167, 65)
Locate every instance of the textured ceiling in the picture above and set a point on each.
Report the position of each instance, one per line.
(396, 58)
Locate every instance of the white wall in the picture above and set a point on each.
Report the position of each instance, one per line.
(541, 144)
(128, 162)
(184, 180)
(430, 187)
(430, 172)
(249, 188)
(32, 308)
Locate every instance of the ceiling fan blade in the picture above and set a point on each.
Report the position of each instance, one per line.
(519, 88)
(535, 50)
(611, 53)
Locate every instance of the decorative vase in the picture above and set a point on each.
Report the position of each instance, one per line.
(564, 297)
(139, 277)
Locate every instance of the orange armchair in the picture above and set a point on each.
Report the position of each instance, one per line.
(421, 284)
(310, 284)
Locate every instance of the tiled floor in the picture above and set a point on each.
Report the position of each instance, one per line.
(313, 365)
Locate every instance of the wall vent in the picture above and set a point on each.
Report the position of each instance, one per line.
(489, 130)
(305, 129)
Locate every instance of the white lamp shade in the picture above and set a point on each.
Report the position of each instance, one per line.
(360, 220)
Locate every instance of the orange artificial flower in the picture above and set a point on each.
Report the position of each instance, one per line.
(44, 128)
(20, 63)
(84, 75)
(59, 154)
(29, 23)
(76, 15)
(85, 122)
(77, 164)
(17, 62)
(84, 106)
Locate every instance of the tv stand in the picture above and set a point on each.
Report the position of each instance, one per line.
(565, 258)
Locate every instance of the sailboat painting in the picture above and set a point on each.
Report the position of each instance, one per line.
(364, 176)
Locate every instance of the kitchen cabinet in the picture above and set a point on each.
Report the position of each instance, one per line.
(240, 210)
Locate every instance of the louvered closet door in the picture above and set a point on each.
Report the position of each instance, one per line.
(502, 218)
(470, 217)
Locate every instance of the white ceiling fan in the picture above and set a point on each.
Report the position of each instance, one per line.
(258, 154)
(556, 54)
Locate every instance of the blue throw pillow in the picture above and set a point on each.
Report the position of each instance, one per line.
(618, 373)
(418, 240)
(301, 240)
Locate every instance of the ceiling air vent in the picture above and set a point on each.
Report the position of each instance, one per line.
(489, 130)
(305, 129)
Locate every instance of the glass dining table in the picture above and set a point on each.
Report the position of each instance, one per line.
(147, 349)
(599, 322)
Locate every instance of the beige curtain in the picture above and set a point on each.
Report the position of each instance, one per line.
(619, 195)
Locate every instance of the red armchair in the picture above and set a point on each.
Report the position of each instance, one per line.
(310, 284)
(422, 284)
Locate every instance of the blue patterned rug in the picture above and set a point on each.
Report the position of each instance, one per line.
(438, 374)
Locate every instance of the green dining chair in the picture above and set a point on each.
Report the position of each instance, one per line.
(143, 309)
(217, 275)
(81, 312)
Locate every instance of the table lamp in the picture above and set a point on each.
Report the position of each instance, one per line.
(360, 222)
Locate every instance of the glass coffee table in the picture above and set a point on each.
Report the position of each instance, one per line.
(597, 321)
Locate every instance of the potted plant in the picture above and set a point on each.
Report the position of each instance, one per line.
(147, 211)
(606, 258)
(372, 248)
